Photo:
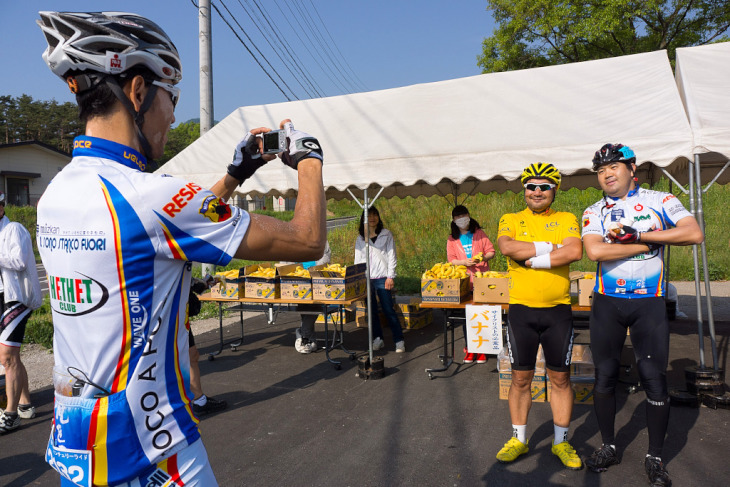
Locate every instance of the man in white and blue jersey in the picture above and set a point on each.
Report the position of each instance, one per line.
(625, 233)
(118, 243)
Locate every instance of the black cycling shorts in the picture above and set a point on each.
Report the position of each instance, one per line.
(12, 324)
(527, 328)
(646, 318)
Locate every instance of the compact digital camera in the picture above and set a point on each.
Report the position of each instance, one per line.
(274, 142)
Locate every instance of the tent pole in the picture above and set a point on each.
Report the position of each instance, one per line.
(366, 204)
(698, 297)
(366, 235)
(705, 267)
(667, 260)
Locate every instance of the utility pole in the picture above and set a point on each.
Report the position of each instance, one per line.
(206, 67)
(205, 43)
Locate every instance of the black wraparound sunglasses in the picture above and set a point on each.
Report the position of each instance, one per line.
(542, 186)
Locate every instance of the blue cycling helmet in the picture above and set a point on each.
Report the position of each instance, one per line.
(613, 153)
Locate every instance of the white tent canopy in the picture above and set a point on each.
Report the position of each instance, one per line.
(469, 135)
(703, 78)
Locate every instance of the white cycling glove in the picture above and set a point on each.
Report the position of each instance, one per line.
(301, 146)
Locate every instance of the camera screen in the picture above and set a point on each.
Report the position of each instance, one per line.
(271, 141)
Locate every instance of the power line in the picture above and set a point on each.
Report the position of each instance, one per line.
(255, 47)
(286, 53)
(249, 51)
(362, 85)
(303, 43)
(285, 47)
(322, 51)
(323, 44)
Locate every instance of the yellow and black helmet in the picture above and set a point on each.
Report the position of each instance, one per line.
(541, 170)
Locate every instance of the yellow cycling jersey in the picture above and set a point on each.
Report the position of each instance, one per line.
(538, 288)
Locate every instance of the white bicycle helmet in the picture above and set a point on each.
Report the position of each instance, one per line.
(87, 49)
(107, 42)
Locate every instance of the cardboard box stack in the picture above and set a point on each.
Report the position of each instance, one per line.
(259, 286)
(586, 281)
(410, 314)
(333, 286)
(493, 289)
(231, 285)
(334, 318)
(538, 388)
(582, 378)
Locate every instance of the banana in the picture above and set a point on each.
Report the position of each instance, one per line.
(338, 268)
(445, 270)
(299, 272)
(231, 274)
(490, 274)
(266, 272)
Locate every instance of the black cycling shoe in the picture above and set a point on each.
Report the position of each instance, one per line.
(603, 458)
(213, 405)
(657, 472)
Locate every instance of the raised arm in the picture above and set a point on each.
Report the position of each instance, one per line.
(301, 239)
(304, 237)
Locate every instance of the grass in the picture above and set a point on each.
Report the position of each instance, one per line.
(39, 328)
(420, 227)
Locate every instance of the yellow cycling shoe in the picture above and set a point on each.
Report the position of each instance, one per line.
(567, 455)
(511, 450)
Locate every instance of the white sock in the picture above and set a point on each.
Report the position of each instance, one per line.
(201, 401)
(519, 431)
(561, 434)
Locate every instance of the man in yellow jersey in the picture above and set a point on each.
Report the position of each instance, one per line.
(540, 243)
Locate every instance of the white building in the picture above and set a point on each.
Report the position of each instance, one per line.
(26, 169)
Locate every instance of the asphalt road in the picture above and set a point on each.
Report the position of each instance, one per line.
(295, 420)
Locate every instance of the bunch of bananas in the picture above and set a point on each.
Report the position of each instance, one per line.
(232, 274)
(589, 276)
(267, 272)
(489, 274)
(338, 268)
(445, 270)
(479, 257)
(299, 272)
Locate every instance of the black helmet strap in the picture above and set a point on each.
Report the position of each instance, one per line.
(138, 116)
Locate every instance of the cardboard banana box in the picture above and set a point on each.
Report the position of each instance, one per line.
(331, 284)
(491, 287)
(231, 285)
(262, 281)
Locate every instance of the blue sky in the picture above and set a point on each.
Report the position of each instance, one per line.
(385, 44)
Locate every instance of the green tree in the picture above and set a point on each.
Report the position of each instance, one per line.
(178, 139)
(533, 33)
(23, 119)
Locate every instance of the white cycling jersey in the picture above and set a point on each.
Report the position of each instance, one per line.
(117, 244)
(642, 275)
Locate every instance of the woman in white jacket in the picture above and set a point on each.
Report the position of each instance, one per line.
(382, 274)
(22, 294)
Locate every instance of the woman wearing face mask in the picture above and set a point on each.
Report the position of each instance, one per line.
(466, 242)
